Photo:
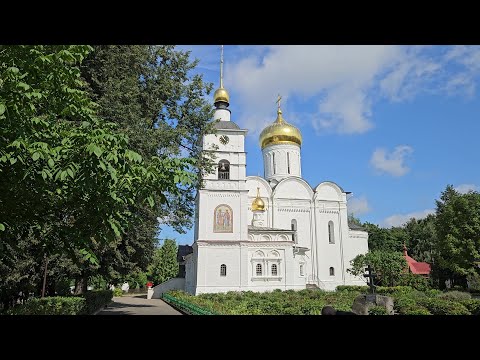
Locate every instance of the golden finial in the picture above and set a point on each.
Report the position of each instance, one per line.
(258, 204)
(221, 94)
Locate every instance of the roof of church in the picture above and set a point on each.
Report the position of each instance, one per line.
(183, 250)
(420, 268)
(228, 125)
(264, 228)
(353, 226)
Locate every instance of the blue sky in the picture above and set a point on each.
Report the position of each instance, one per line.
(392, 124)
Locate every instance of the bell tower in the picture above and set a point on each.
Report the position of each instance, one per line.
(222, 202)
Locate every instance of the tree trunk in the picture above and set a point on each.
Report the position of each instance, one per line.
(80, 285)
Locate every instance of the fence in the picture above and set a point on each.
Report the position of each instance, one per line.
(185, 306)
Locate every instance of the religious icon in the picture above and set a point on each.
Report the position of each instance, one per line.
(223, 219)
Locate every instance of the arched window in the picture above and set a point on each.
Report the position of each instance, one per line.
(223, 270)
(331, 238)
(332, 271)
(294, 228)
(224, 170)
(274, 270)
(258, 269)
(273, 160)
(301, 270)
(288, 162)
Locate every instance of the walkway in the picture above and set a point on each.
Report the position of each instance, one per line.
(138, 305)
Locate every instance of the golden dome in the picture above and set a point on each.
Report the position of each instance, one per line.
(258, 204)
(280, 132)
(221, 94)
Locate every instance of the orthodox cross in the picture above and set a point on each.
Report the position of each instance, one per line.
(278, 101)
(370, 275)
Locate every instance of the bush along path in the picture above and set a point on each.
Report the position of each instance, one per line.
(88, 304)
(407, 301)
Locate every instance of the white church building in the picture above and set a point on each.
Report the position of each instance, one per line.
(273, 232)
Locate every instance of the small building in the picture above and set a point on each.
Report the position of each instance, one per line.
(416, 267)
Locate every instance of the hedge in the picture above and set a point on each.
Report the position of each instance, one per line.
(97, 299)
(443, 307)
(86, 304)
(357, 288)
(473, 305)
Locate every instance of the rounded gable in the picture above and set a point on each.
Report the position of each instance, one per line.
(256, 181)
(328, 190)
(293, 188)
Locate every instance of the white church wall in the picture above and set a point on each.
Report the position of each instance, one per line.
(209, 201)
(279, 164)
(172, 284)
(329, 255)
(292, 200)
(357, 243)
(235, 141)
(213, 256)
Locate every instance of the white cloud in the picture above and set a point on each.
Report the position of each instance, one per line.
(465, 188)
(358, 206)
(400, 219)
(337, 78)
(344, 82)
(391, 163)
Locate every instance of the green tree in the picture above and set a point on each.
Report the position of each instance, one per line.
(388, 265)
(164, 265)
(150, 93)
(385, 239)
(457, 246)
(421, 237)
(67, 176)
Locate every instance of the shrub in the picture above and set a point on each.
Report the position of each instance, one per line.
(473, 305)
(96, 299)
(417, 310)
(403, 303)
(432, 292)
(388, 290)
(117, 292)
(443, 307)
(455, 295)
(417, 282)
(356, 288)
(57, 305)
(377, 310)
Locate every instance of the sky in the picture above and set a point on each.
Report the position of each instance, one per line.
(392, 124)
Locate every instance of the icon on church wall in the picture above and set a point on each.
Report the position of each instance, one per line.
(223, 220)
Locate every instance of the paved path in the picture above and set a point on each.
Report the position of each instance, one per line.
(138, 305)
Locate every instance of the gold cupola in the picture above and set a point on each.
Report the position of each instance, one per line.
(221, 94)
(258, 204)
(280, 132)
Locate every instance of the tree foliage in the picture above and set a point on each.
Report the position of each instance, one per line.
(420, 238)
(388, 266)
(457, 225)
(150, 93)
(164, 265)
(69, 178)
(385, 239)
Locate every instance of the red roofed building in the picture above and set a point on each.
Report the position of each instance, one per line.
(415, 267)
